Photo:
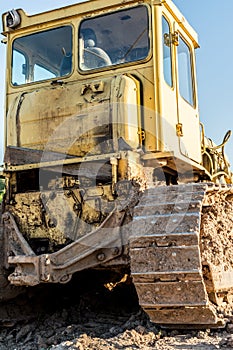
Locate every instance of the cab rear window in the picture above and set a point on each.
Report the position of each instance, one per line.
(42, 56)
(114, 38)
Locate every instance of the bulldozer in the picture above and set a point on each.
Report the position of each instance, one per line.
(106, 163)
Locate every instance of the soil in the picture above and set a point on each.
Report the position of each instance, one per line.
(217, 230)
(93, 317)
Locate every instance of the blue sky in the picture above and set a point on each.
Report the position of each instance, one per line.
(212, 19)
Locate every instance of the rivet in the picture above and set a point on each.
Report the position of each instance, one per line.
(101, 256)
(115, 251)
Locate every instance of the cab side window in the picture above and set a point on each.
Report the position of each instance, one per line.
(167, 52)
(185, 71)
(19, 71)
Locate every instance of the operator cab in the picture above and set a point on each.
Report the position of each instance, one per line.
(140, 54)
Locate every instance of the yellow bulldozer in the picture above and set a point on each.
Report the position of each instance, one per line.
(106, 163)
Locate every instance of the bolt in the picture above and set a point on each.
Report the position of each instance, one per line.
(6, 217)
(52, 195)
(101, 256)
(115, 251)
(46, 277)
(68, 193)
(53, 260)
(77, 207)
(64, 279)
(52, 223)
(47, 261)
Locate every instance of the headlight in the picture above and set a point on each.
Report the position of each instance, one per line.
(12, 19)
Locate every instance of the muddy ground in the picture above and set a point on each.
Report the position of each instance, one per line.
(71, 317)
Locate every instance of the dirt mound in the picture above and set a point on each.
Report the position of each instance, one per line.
(217, 230)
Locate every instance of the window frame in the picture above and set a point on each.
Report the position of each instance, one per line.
(37, 62)
(124, 64)
(164, 17)
(192, 103)
(11, 70)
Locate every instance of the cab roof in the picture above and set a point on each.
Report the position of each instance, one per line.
(97, 7)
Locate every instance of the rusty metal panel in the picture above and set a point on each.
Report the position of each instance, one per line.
(66, 123)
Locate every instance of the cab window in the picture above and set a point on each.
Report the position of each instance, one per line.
(42, 56)
(167, 52)
(20, 61)
(114, 39)
(185, 71)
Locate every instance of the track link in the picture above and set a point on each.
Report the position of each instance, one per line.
(166, 260)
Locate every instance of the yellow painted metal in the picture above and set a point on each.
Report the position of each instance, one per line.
(30, 121)
(179, 18)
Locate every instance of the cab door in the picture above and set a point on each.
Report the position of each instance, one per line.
(188, 127)
(167, 84)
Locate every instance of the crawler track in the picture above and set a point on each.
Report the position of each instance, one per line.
(180, 265)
